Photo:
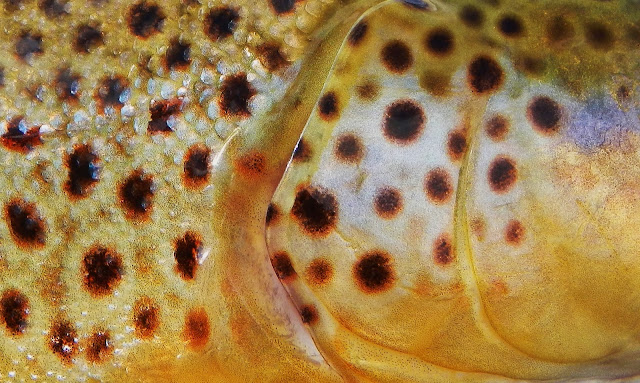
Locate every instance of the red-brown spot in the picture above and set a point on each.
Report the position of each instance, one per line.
(373, 272)
(438, 186)
(388, 202)
(502, 174)
(136, 195)
(348, 148)
(514, 233)
(328, 106)
(161, 113)
(145, 19)
(63, 340)
(271, 56)
(220, 22)
(14, 311)
(197, 169)
(368, 90)
(27, 227)
(110, 91)
(146, 317)
(197, 328)
(187, 251)
(84, 171)
(316, 210)
(273, 214)
(320, 271)
(235, 93)
(178, 55)
(358, 33)
(456, 145)
(308, 314)
(19, 138)
(403, 122)
(443, 250)
(302, 152)
(545, 114)
(497, 127)
(396, 56)
(484, 75)
(99, 347)
(251, 165)
(102, 270)
(281, 262)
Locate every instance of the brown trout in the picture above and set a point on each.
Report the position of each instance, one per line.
(319, 190)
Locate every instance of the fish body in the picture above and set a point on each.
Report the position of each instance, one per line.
(367, 191)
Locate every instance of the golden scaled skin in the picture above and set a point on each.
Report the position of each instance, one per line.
(134, 244)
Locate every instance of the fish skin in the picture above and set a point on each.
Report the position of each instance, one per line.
(232, 318)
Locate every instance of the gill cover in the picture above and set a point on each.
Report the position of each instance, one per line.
(463, 202)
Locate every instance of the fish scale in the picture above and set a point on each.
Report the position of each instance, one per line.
(409, 234)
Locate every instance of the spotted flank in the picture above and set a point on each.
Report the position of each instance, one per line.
(319, 191)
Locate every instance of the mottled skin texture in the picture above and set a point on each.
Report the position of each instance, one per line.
(450, 191)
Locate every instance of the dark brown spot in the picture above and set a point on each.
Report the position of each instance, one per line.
(388, 202)
(20, 139)
(436, 84)
(439, 42)
(99, 347)
(14, 311)
(53, 8)
(197, 328)
(87, 38)
(599, 36)
(308, 314)
(271, 57)
(281, 262)
(272, 215)
(162, 115)
(110, 91)
(136, 195)
(357, 33)
(502, 174)
(315, 210)
(633, 35)
(67, 85)
(178, 55)
(443, 250)
(12, 5)
(484, 75)
(328, 106)
(63, 340)
(235, 93)
(511, 26)
(531, 65)
(544, 113)
(251, 165)
(282, 7)
(396, 56)
(28, 44)
(514, 233)
(84, 171)
(497, 127)
(187, 250)
(471, 16)
(197, 168)
(102, 270)
(1, 76)
(302, 152)
(25, 224)
(438, 186)
(368, 90)
(220, 22)
(146, 318)
(403, 121)
(456, 145)
(320, 271)
(145, 19)
(559, 30)
(373, 272)
(348, 148)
